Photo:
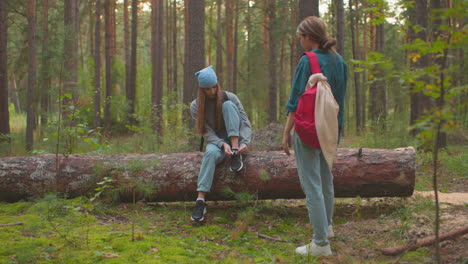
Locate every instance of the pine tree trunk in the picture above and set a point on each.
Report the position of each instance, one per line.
(109, 59)
(236, 41)
(194, 47)
(131, 96)
(305, 8)
(378, 104)
(340, 32)
(97, 66)
(174, 53)
(4, 114)
(157, 63)
(272, 76)
(70, 83)
(14, 95)
(357, 86)
(45, 74)
(229, 45)
(268, 175)
(127, 48)
(219, 44)
(31, 90)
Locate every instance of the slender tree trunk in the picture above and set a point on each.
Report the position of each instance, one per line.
(168, 40)
(219, 44)
(306, 8)
(31, 90)
(109, 54)
(45, 75)
(340, 32)
(70, 56)
(236, 41)
(357, 88)
(91, 25)
(293, 45)
(363, 55)
(194, 47)
(418, 101)
(229, 45)
(15, 96)
(272, 79)
(4, 114)
(71, 47)
(378, 104)
(97, 66)
(131, 96)
(127, 48)
(157, 63)
(439, 60)
(174, 51)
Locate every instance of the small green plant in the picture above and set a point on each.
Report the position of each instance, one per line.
(105, 184)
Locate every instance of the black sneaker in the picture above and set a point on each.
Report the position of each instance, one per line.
(199, 211)
(236, 161)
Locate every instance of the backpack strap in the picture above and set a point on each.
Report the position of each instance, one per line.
(313, 62)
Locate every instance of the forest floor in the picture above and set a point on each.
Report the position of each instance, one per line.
(77, 230)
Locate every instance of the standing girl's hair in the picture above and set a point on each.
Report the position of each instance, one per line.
(316, 30)
(201, 110)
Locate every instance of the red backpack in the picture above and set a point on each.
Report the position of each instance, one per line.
(304, 118)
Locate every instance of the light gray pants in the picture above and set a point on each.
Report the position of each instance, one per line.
(317, 183)
(214, 154)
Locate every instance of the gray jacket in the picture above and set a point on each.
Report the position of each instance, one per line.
(215, 137)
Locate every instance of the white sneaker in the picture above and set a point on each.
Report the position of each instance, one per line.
(330, 231)
(314, 250)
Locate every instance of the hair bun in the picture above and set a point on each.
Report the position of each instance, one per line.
(328, 43)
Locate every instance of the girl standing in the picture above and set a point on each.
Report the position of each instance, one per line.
(314, 173)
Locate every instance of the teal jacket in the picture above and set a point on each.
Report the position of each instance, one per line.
(333, 67)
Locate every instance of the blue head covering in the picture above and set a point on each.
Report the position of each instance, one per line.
(206, 77)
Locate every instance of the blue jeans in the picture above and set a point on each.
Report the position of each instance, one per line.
(317, 183)
(214, 154)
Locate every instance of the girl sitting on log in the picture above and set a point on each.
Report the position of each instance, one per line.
(221, 119)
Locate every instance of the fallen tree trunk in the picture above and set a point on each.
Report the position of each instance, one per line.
(268, 175)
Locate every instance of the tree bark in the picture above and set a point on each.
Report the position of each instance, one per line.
(340, 32)
(305, 8)
(419, 101)
(377, 91)
(31, 90)
(157, 63)
(109, 58)
(131, 95)
(269, 175)
(229, 45)
(357, 88)
(97, 67)
(272, 79)
(219, 44)
(70, 83)
(126, 41)
(4, 114)
(194, 48)
(45, 73)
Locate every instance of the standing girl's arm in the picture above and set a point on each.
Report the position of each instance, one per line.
(286, 142)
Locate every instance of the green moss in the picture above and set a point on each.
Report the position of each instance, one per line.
(70, 231)
(421, 255)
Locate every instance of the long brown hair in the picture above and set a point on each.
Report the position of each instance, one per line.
(201, 110)
(316, 29)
